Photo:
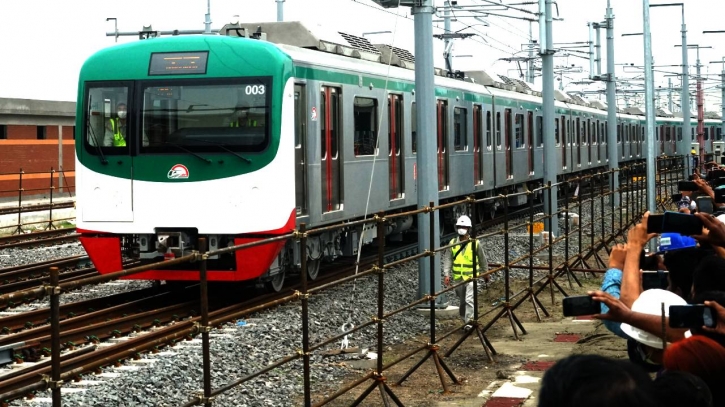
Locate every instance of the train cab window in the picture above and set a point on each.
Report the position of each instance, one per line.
(205, 117)
(488, 130)
(105, 124)
(519, 131)
(460, 131)
(365, 114)
(540, 131)
(413, 127)
(498, 130)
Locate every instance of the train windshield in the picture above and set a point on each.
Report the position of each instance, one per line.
(165, 117)
(205, 117)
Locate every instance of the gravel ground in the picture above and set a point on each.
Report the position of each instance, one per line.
(248, 346)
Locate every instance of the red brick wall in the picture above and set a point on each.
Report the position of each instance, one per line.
(35, 158)
(19, 132)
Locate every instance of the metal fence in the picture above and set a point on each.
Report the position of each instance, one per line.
(625, 206)
(51, 185)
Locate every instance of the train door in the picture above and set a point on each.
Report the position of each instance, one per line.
(590, 135)
(108, 198)
(508, 125)
(330, 168)
(580, 134)
(477, 140)
(530, 139)
(442, 151)
(300, 148)
(395, 146)
(564, 141)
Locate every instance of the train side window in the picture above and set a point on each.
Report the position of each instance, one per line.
(619, 133)
(595, 132)
(718, 134)
(679, 133)
(488, 130)
(540, 131)
(365, 113)
(460, 130)
(300, 115)
(556, 130)
(413, 127)
(519, 131)
(498, 130)
(692, 133)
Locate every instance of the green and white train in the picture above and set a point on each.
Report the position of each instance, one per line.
(240, 139)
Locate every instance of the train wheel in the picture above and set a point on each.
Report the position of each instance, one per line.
(313, 269)
(276, 283)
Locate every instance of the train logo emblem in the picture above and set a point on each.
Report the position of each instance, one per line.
(178, 171)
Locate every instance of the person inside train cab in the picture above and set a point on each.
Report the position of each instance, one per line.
(460, 260)
(243, 115)
(116, 128)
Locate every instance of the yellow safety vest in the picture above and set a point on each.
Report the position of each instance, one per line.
(118, 139)
(250, 123)
(463, 262)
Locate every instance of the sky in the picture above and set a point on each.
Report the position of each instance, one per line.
(47, 41)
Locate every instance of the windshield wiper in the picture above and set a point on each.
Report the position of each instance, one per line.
(206, 160)
(93, 135)
(223, 147)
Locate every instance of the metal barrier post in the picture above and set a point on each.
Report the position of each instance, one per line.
(380, 380)
(305, 316)
(566, 268)
(205, 328)
(551, 278)
(55, 382)
(19, 228)
(530, 289)
(612, 197)
(593, 250)
(50, 216)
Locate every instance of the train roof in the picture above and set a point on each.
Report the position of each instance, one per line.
(315, 44)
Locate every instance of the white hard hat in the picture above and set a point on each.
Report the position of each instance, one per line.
(650, 303)
(464, 221)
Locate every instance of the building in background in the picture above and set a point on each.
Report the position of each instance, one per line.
(36, 136)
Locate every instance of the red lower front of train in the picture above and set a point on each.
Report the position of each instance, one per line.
(104, 250)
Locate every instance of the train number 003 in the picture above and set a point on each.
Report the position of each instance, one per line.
(254, 90)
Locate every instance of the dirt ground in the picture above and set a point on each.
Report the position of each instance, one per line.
(469, 362)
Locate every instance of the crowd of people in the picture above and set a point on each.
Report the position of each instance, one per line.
(667, 366)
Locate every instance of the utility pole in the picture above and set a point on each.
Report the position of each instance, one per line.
(669, 94)
(280, 10)
(649, 112)
(530, 65)
(700, 112)
(447, 41)
(546, 45)
(611, 104)
(207, 18)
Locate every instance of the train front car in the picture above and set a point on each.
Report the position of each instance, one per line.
(180, 138)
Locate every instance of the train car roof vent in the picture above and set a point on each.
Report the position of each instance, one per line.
(598, 104)
(519, 85)
(578, 99)
(712, 115)
(634, 110)
(487, 79)
(561, 96)
(299, 34)
(396, 56)
(662, 112)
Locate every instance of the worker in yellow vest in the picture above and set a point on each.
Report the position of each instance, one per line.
(116, 129)
(459, 259)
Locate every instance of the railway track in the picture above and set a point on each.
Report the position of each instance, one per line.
(36, 208)
(22, 277)
(39, 238)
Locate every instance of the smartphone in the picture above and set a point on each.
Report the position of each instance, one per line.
(687, 186)
(691, 316)
(654, 223)
(719, 195)
(682, 223)
(715, 174)
(704, 204)
(654, 279)
(676, 198)
(580, 305)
